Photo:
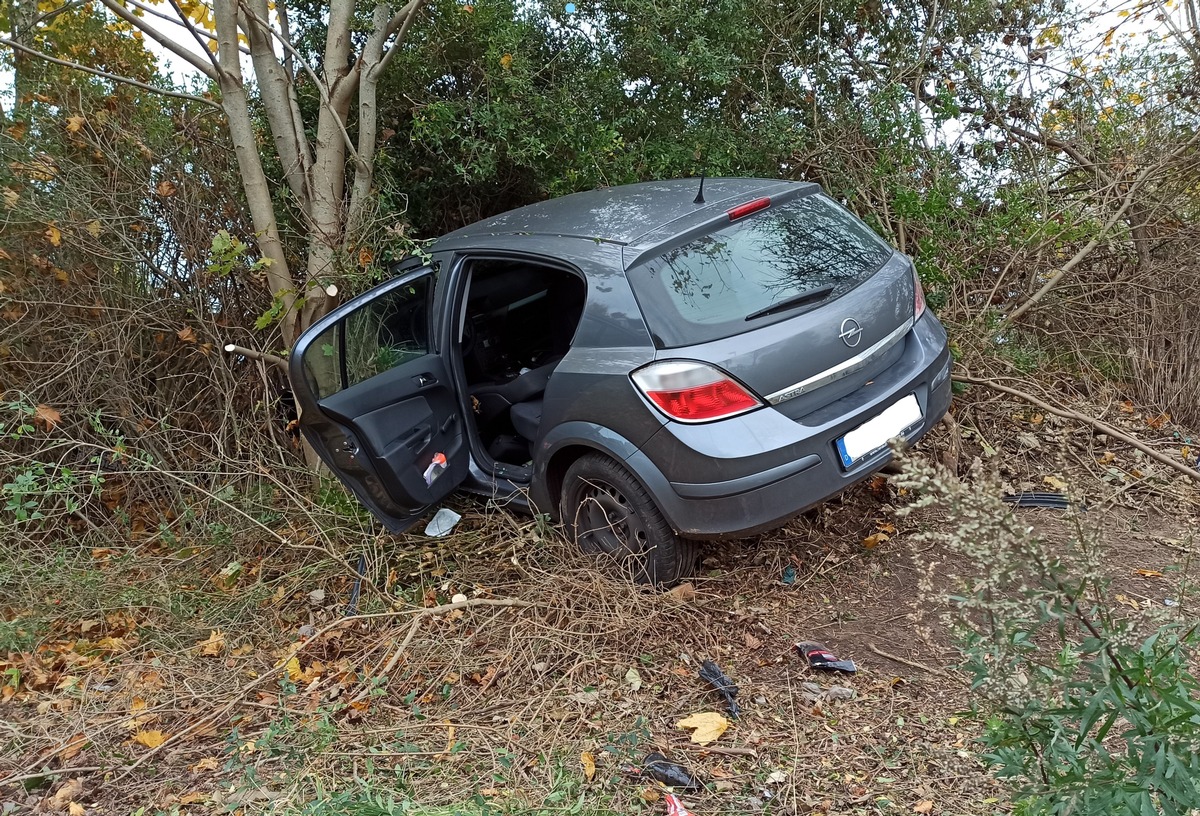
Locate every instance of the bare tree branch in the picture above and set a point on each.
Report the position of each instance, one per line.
(1126, 202)
(162, 39)
(275, 91)
(106, 75)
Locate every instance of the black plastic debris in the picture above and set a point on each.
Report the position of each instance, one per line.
(669, 773)
(711, 672)
(1052, 501)
(821, 658)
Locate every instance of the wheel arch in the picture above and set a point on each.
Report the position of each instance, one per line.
(570, 441)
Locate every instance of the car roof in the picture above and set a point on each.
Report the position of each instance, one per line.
(622, 215)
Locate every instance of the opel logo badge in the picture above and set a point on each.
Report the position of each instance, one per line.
(851, 332)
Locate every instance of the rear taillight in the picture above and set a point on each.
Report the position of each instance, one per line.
(693, 392)
(918, 295)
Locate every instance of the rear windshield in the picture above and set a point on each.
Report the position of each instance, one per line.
(744, 276)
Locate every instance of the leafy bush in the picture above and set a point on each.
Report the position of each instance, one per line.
(1088, 712)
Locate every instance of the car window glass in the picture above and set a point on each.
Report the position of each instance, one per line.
(386, 332)
(728, 281)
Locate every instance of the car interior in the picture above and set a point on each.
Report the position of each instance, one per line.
(518, 322)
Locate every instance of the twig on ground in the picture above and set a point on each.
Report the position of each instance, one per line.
(906, 662)
(12, 780)
(1103, 427)
(421, 614)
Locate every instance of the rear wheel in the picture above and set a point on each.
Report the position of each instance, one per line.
(608, 512)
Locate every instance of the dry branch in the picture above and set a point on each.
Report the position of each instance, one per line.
(273, 359)
(1103, 427)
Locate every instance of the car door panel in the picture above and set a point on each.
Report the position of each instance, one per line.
(376, 403)
(401, 435)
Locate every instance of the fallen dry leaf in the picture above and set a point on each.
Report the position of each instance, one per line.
(206, 764)
(1106, 457)
(707, 726)
(46, 416)
(874, 540)
(1127, 407)
(193, 797)
(54, 235)
(76, 809)
(1054, 482)
(1157, 422)
(294, 672)
(187, 334)
(70, 790)
(75, 123)
(924, 806)
(72, 748)
(214, 645)
(684, 592)
(165, 189)
(1145, 573)
(752, 642)
(589, 765)
(151, 739)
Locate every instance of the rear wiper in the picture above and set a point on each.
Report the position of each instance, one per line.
(792, 302)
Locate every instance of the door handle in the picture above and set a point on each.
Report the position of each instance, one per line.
(418, 438)
(349, 446)
(424, 380)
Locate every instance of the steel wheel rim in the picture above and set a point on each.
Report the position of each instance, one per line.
(608, 522)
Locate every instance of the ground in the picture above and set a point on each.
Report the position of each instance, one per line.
(222, 676)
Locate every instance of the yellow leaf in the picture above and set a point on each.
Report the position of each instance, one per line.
(94, 228)
(708, 726)
(151, 739)
(206, 764)
(76, 809)
(874, 540)
(589, 765)
(11, 197)
(1055, 482)
(294, 672)
(54, 235)
(214, 645)
(75, 123)
(1148, 573)
(506, 61)
(193, 797)
(1106, 457)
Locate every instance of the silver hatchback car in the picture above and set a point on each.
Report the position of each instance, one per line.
(652, 365)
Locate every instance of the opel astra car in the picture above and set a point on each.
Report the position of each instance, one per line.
(651, 365)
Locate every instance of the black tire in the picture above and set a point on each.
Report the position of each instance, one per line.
(607, 512)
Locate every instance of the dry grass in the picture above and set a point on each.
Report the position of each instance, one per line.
(494, 704)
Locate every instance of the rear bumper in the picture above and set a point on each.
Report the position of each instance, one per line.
(779, 467)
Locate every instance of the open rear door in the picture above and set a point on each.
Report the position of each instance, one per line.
(376, 402)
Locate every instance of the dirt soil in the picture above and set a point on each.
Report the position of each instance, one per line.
(256, 695)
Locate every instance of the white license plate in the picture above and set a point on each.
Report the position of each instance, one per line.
(876, 433)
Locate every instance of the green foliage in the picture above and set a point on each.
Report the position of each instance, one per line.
(39, 488)
(1088, 712)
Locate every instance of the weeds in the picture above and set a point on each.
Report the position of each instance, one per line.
(1089, 711)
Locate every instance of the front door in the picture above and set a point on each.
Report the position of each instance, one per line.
(376, 401)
